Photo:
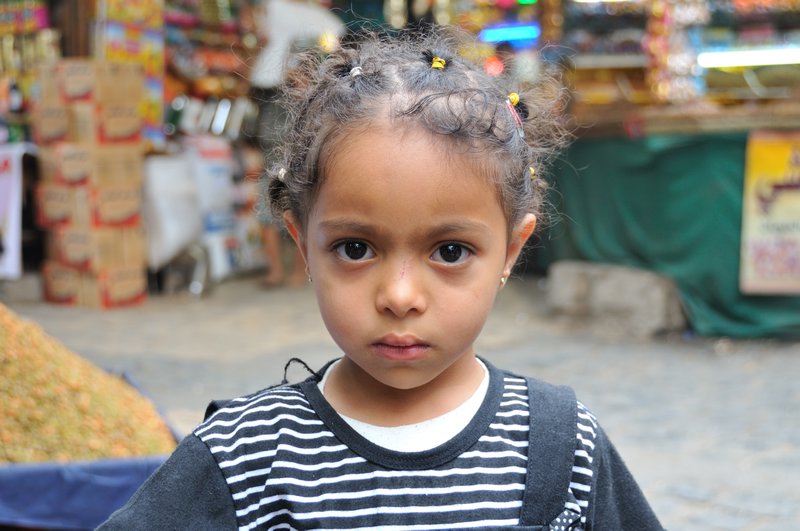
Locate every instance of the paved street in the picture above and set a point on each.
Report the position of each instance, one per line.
(710, 427)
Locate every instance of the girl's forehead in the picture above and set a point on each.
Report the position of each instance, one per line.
(406, 139)
(382, 149)
(404, 173)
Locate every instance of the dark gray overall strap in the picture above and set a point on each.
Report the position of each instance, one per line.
(551, 454)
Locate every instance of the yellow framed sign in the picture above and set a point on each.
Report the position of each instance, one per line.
(770, 249)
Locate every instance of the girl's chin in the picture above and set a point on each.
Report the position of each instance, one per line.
(404, 378)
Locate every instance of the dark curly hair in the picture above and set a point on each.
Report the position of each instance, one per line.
(391, 77)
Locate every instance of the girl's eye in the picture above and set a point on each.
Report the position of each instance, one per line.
(354, 250)
(451, 253)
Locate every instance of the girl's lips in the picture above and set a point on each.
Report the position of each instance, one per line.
(400, 348)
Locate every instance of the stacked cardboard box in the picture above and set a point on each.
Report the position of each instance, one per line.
(87, 124)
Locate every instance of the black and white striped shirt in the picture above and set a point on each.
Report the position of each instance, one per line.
(283, 459)
(290, 462)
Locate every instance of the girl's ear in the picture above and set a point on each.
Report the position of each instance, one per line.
(519, 236)
(294, 231)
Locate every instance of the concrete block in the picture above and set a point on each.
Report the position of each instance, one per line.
(636, 302)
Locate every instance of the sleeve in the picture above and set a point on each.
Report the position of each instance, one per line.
(617, 502)
(187, 492)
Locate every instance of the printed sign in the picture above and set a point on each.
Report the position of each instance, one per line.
(11, 210)
(770, 252)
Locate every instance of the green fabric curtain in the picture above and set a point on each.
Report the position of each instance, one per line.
(671, 204)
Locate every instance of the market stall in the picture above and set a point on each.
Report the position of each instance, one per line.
(669, 103)
(114, 98)
(671, 204)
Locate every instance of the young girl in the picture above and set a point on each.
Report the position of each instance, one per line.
(410, 183)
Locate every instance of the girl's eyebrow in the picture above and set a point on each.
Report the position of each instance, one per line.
(346, 225)
(451, 227)
(460, 227)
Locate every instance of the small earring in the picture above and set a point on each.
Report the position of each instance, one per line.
(308, 274)
(503, 281)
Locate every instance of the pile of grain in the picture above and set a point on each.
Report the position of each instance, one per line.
(56, 406)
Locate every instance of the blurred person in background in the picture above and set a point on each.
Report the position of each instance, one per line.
(285, 26)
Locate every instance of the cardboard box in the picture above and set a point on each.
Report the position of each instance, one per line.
(116, 204)
(110, 288)
(87, 122)
(84, 163)
(119, 163)
(46, 88)
(53, 204)
(120, 82)
(76, 79)
(119, 122)
(60, 284)
(114, 287)
(84, 100)
(110, 122)
(98, 248)
(85, 79)
(58, 205)
(68, 163)
(50, 123)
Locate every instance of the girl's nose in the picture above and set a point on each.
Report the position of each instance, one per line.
(401, 291)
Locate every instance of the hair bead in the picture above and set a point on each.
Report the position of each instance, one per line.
(355, 71)
(513, 98)
(438, 63)
(282, 175)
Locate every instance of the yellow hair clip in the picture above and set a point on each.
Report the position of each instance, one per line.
(513, 98)
(438, 63)
(533, 172)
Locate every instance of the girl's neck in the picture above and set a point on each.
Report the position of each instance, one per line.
(354, 393)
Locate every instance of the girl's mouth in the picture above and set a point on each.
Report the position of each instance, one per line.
(400, 348)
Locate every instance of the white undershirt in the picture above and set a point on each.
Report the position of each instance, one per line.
(423, 435)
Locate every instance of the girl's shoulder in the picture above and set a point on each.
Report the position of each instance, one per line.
(259, 410)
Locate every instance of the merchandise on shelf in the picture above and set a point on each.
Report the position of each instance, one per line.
(26, 41)
(683, 65)
(602, 52)
(673, 39)
(133, 32)
(23, 16)
(752, 50)
(607, 31)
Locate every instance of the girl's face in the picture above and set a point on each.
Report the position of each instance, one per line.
(406, 248)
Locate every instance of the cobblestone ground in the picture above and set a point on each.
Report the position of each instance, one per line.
(708, 426)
